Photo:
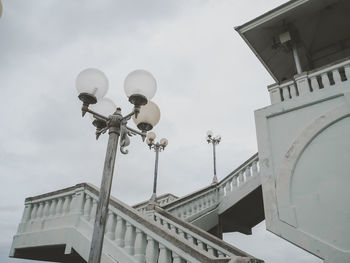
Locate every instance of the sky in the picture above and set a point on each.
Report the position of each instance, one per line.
(207, 77)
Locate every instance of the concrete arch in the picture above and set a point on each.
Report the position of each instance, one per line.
(286, 209)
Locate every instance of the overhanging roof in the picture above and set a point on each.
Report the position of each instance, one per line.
(323, 30)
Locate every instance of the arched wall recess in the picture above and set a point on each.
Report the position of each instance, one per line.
(286, 209)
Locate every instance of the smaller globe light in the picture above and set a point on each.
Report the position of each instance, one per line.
(140, 86)
(148, 117)
(92, 85)
(209, 134)
(163, 142)
(105, 107)
(151, 136)
(148, 141)
(218, 137)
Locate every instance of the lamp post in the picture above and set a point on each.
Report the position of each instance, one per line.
(140, 87)
(158, 147)
(214, 141)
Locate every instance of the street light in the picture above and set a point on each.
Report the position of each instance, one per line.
(92, 86)
(213, 140)
(158, 147)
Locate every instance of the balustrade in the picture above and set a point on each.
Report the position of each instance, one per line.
(128, 234)
(336, 75)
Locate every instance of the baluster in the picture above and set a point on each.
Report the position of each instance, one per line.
(189, 210)
(181, 233)
(255, 168)
(347, 72)
(247, 172)
(110, 225)
(194, 206)
(177, 258)
(173, 228)
(221, 191)
(140, 245)
(325, 80)
(221, 255)
(164, 254)
(40, 210)
(228, 186)
(234, 182)
(120, 231)
(59, 206)
(203, 202)
(87, 207)
(336, 76)
(46, 209)
(240, 178)
(201, 245)
(26, 213)
(211, 250)
(191, 239)
(285, 93)
(34, 212)
(314, 83)
(52, 210)
(65, 206)
(151, 250)
(209, 198)
(293, 91)
(129, 238)
(93, 210)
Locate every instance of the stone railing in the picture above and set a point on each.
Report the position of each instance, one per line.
(161, 201)
(191, 206)
(139, 236)
(196, 236)
(239, 177)
(198, 203)
(334, 75)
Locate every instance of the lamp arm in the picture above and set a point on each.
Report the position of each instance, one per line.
(142, 134)
(100, 116)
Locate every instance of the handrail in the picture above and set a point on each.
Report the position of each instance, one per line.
(194, 231)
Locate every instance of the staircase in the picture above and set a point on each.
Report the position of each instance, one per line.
(234, 204)
(58, 227)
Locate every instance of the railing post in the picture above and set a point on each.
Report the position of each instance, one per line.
(274, 91)
(302, 83)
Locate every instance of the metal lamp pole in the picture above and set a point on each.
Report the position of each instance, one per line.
(214, 141)
(92, 85)
(158, 147)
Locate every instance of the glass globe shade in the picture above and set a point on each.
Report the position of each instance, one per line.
(148, 141)
(151, 135)
(92, 82)
(164, 142)
(105, 107)
(218, 137)
(140, 82)
(148, 117)
(209, 133)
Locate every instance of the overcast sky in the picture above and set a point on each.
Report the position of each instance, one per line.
(207, 79)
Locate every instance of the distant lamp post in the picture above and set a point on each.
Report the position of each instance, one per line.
(158, 147)
(214, 141)
(92, 86)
